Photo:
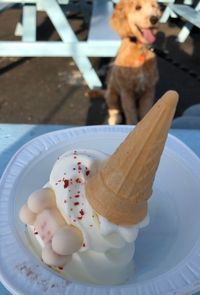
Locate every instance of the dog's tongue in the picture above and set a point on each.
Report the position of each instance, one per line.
(150, 38)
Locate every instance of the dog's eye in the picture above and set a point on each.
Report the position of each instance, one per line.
(138, 7)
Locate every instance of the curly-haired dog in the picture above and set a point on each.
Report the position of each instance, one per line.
(134, 74)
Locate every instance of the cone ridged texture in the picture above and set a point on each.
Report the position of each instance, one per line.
(120, 190)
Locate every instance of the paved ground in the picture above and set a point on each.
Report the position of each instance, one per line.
(51, 90)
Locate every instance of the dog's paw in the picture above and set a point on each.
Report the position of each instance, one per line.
(114, 117)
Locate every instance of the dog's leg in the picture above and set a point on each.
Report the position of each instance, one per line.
(129, 108)
(114, 117)
(146, 102)
(114, 108)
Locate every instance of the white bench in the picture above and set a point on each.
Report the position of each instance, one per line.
(191, 15)
(168, 12)
(69, 46)
(102, 41)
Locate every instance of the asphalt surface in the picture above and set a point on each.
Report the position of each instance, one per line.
(52, 91)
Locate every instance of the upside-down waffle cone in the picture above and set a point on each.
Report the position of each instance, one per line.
(120, 190)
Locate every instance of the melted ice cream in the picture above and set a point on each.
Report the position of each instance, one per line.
(107, 250)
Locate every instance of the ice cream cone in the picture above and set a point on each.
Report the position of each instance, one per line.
(121, 189)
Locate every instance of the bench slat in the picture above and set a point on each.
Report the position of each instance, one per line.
(190, 14)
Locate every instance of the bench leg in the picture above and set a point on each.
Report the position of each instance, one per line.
(19, 29)
(184, 33)
(166, 14)
(29, 23)
(26, 27)
(66, 33)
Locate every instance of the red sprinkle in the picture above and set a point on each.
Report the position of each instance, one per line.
(78, 180)
(76, 203)
(77, 196)
(66, 183)
(79, 163)
(87, 172)
(80, 217)
(82, 212)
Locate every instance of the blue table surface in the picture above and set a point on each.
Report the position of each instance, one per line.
(13, 136)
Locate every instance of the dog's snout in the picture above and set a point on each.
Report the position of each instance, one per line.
(154, 19)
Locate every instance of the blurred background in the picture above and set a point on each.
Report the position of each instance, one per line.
(51, 90)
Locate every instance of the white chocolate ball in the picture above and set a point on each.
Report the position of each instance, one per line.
(67, 240)
(26, 215)
(41, 199)
(51, 258)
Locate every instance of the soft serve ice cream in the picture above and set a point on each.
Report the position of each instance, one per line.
(106, 247)
(86, 219)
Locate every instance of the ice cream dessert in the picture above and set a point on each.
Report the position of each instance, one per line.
(86, 218)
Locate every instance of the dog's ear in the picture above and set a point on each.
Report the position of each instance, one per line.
(119, 21)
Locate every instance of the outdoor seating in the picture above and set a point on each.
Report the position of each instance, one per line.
(43, 95)
(101, 42)
(168, 12)
(189, 14)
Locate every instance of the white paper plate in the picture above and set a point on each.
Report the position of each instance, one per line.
(167, 258)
